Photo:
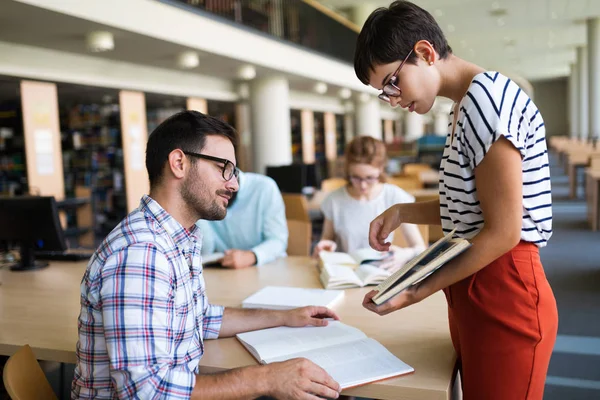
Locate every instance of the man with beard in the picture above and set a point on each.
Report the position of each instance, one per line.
(144, 310)
(254, 232)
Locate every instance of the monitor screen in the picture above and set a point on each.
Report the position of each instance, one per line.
(32, 222)
(293, 178)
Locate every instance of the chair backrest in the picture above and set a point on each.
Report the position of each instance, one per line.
(415, 168)
(299, 238)
(400, 240)
(296, 207)
(24, 379)
(410, 182)
(331, 184)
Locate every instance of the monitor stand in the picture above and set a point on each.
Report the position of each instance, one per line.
(27, 262)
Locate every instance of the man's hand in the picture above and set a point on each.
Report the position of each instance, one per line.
(311, 315)
(238, 259)
(405, 298)
(300, 378)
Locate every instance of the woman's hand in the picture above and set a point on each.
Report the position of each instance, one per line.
(324, 245)
(405, 298)
(382, 226)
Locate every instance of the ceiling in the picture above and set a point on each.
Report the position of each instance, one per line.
(29, 25)
(533, 38)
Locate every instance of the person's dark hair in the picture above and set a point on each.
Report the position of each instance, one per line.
(389, 34)
(186, 130)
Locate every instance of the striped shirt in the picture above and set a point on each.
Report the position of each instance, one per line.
(495, 106)
(144, 312)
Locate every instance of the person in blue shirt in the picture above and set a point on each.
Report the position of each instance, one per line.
(254, 232)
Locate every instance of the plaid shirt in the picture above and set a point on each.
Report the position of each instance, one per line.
(144, 311)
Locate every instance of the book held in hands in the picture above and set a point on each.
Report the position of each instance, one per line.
(362, 268)
(346, 353)
(285, 298)
(421, 266)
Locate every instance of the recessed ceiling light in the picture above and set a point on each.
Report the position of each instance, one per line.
(451, 28)
(554, 15)
(320, 87)
(246, 72)
(345, 93)
(500, 22)
(188, 59)
(463, 43)
(100, 41)
(438, 12)
(364, 97)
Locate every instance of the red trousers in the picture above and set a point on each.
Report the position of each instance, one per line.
(503, 323)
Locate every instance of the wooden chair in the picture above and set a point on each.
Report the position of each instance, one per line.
(296, 207)
(331, 184)
(299, 238)
(415, 168)
(411, 182)
(400, 240)
(24, 378)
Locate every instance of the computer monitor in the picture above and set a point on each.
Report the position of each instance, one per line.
(295, 177)
(32, 222)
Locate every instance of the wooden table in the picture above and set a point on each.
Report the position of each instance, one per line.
(593, 198)
(40, 308)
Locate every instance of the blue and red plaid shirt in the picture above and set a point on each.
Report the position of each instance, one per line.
(144, 311)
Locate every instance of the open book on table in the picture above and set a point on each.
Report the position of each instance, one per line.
(342, 270)
(421, 266)
(346, 353)
(285, 298)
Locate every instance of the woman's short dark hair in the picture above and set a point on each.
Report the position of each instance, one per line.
(389, 34)
(186, 130)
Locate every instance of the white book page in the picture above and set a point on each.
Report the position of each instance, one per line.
(283, 341)
(370, 275)
(337, 258)
(361, 255)
(341, 274)
(355, 363)
(280, 298)
(212, 258)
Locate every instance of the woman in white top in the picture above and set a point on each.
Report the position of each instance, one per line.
(349, 210)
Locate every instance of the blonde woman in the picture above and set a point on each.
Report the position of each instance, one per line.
(349, 210)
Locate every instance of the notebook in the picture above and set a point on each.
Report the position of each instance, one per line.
(285, 298)
(346, 353)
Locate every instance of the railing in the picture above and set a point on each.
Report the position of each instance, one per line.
(296, 21)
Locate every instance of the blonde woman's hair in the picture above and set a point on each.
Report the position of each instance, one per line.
(366, 150)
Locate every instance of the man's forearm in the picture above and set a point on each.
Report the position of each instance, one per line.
(239, 383)
(236, 320)
(421, 212)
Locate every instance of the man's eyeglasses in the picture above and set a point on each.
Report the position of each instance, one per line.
(391, 89)
(229, 169)
(369, 180)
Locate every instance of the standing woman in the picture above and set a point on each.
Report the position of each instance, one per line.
(494, 190)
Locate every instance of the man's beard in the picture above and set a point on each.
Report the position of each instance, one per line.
(197, 197)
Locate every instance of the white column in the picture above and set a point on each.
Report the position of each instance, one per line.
(361, 12)
(593, 43)
(573, 102)
(270, 110)
(413, 126)
(368, 116)
(583, 92)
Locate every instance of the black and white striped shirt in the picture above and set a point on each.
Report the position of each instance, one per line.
(494, 106)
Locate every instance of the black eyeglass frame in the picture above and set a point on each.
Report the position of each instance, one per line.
(234, 172)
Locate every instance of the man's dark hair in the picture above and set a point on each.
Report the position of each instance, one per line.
(389, 34)
(186, 130)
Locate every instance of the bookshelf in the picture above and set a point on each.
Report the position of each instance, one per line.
(295, 123)
(340, 134)
(13, 170)
(93, 166)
